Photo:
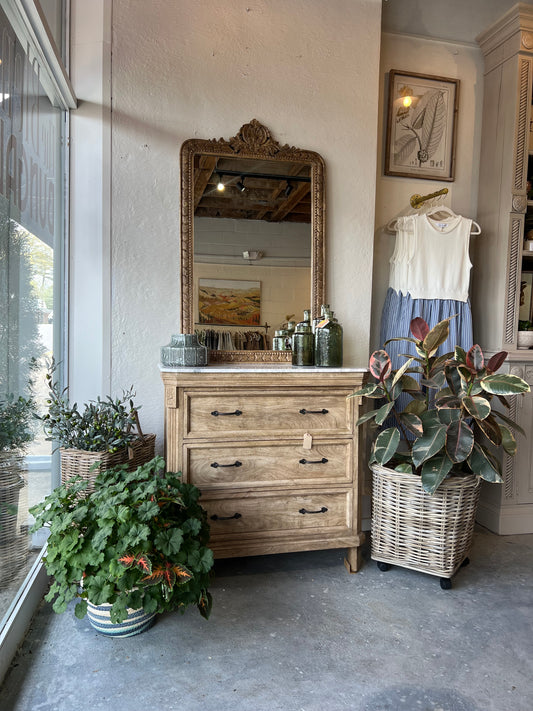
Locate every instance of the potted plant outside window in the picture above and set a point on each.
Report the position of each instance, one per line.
(102, 434)
(16, 432)
(138, 543)
(428, 457)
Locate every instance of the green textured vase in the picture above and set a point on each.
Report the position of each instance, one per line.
(328, 342)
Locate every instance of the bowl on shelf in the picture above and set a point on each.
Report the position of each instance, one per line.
(525, 339)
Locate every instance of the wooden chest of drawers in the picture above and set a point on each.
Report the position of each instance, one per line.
(274, 452)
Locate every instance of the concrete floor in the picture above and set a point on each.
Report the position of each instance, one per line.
(296, 632)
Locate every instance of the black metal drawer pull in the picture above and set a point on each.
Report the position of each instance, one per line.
(216, 413)
(214, 517)
(216, 465)
(303, 411)
(316, 461)
(304, 511)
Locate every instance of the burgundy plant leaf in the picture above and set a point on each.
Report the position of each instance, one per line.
(380, 365)
(496, 362)
(419, 328)
(474, 358)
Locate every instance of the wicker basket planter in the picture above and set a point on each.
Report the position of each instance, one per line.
(428, 533)
(14, 540)
(87, 465)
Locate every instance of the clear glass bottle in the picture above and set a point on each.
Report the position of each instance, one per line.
(328, 342)
(303, 342)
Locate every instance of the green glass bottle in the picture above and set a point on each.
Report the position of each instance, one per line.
(303, 342)
(328, 342)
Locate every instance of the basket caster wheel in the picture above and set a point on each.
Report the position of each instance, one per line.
(383, 566)
(465, 562)
(446, 583)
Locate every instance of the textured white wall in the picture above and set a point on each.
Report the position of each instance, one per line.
(458, 61)
(306, 69)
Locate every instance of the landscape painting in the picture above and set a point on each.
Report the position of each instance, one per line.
(229, 302)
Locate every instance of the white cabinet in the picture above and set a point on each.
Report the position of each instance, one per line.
(499, 297)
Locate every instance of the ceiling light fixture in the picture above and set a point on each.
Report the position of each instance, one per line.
(288, 189)
(240, 184)
(220, 185)
(252, 255)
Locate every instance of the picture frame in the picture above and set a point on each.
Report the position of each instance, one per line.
(229, 302)
(421, 126)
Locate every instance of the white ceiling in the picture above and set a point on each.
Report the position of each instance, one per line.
(453, 20)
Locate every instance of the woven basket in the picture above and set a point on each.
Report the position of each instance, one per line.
(79, 462)
(416, 530)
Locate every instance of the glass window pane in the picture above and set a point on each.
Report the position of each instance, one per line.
(31, 221)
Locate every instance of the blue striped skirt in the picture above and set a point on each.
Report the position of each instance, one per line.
(399, 311)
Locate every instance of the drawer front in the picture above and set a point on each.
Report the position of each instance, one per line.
(290, 511)
(272, 464)
(230, 414)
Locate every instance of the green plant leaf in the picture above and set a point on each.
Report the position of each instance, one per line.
(400, 372)
(478, 407)
(415, 407)
(508, 440)
(482, 465)
(490, 429)
(459, 441)
(434, 471)
(504, 384)
(413, 423)
(430, 444)
(367, 416)
(448, 415)
(370, 390)
(437, 336)
(383, 413)
(404, 468)
(409, 384)
(386, 445)
(509, 422)
(81, 609)
(169, 541)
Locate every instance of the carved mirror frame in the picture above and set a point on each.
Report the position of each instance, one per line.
(252, 141)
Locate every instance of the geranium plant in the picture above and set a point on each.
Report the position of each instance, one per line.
(140, 540)
(449, 424)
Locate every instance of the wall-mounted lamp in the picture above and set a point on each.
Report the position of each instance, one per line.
(252, 255)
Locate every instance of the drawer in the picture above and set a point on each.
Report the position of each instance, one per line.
(260, 414)
(272, 464)
(287, 511)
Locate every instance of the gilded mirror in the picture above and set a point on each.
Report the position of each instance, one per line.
(252, 241)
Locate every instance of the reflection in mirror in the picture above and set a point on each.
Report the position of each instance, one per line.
(252, 241)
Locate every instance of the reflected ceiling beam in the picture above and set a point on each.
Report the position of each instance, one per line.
(293, 199)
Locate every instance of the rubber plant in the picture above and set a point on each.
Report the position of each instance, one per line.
(139, 540)
(449, 424)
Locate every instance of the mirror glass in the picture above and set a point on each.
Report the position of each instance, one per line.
(252, 241)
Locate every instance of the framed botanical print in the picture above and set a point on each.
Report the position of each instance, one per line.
(421, 126)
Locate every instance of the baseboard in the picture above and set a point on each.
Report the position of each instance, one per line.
(506, 520)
